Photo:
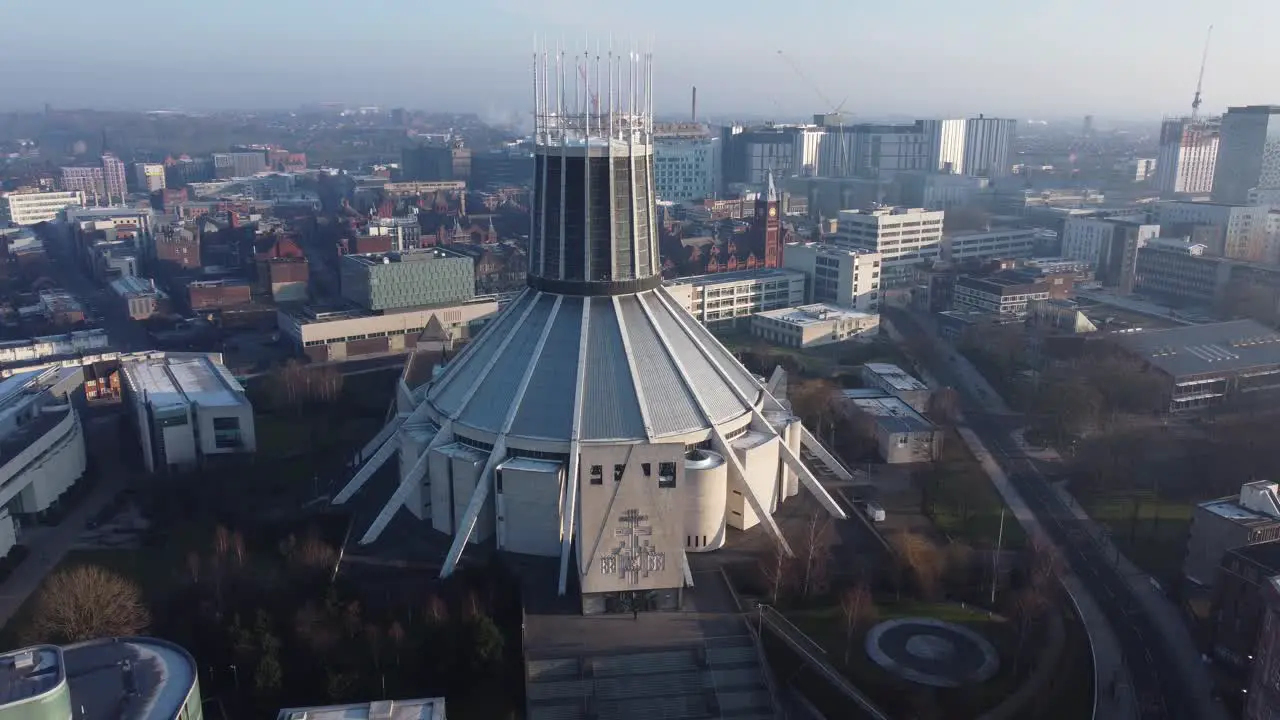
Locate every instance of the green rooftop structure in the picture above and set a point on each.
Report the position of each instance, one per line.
(415, 278)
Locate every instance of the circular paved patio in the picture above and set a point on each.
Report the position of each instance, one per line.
(932, 652)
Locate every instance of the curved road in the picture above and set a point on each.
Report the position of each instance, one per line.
(1159, 673)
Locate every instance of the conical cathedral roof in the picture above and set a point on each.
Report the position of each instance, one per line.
(642, 367)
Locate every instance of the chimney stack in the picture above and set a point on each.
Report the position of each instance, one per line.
(695, 104)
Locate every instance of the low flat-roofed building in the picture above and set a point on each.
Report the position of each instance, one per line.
(42, 451)
(399, 280)
(1000, 293)
(129, 678)
(813, 325)
(341, 334)
(895, 381)
(1220, 525)
(902, 434)
(421, 709)
(1212, 364)
(37, 207)
(973, 245)
(138, 295)
(722, 298)
(187, 407)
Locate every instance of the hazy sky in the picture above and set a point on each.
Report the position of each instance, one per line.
(1124, 59)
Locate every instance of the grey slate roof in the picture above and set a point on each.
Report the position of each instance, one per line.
(621, 394)
(1222, 347)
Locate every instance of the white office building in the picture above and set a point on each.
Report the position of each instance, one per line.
(1088, 239)
(969, 245)
(686, 168)
(837, 275)
(946, 145)
(1188, 154)
(814, 325)
(187, 407)
(721, 298)
(42, 451)
(37, 207)
(988, 146)
(1248, 153)
(904, 238)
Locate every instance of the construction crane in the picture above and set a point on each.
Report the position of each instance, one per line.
(1204, 58)
(595, 100)
(837, 110)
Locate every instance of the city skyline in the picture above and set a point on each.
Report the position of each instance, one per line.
(995, 57)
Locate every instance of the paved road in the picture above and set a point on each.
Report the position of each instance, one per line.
(1160, 670)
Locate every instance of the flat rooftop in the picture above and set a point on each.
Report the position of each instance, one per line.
(892, 414)
(29, 672)
(180, 381)
(163, 674)
(422, 709)
(895, 376)
(1224, 347)
(1230, 509)
(818, 313)
(737, 276)
(424, 255)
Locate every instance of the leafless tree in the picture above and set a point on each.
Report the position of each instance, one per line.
(294, 385)
(815, 547)
(85, 602)
(916, 556)
(776, 570)
(1027, 606)
(859, 609)
(437, 611)
(815, 402)
(311, 554)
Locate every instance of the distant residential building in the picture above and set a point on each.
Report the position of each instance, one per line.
(972, 245)
(1188, 155)
(1242, 228)
(325, 335)
(1002, 294)
(895, 381)
(1137, 169)
(44, 451)
(938, 191)
(988, 146)
(149, 177)
(177, 249)
(685, 168)
(814, 325)
(37, 207)
(115, 178)
(435, 163)
(904, 237)
(724, 298)
(89, 181)
(1248, 153)
(902, 434)
(843, 276)
(1178, 270)
(186, 408)
(405, 232)
(417, 278)
(1227, 523)
(1207, 365)
(423, 709)
(239, 164)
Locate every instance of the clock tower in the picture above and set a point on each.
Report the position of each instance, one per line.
(769, 224)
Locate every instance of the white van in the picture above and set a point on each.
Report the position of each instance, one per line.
(874, 511)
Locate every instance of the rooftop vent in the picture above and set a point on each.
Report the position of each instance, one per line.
(298, 715)
(25, 660)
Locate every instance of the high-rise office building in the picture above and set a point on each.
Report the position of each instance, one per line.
(1188, 154)
(686, 163)
(1240, 231)
(1248, 153)
(114, 178)
(946, 145)
(594, 406)
(239, 164)
(904, 238)
(87, 180)
(988, 146)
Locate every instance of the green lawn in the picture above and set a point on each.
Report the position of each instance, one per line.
(962, 502)
(1155, 539)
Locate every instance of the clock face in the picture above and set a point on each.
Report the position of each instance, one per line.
(773, 212)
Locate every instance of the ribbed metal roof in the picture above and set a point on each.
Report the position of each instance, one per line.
(674, 376)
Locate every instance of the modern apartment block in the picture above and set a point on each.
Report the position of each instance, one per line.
(38, 207)
(1001, 294)
(1188, 155)
(410, 279)
(723, 298)
(186, 408)
(842, 276)
(405, 232)
(813, 325)
(1248, 153)
(904, 237)
(686, 165)
(149, 177)
(988, 146)
(239, 164)
(970, 245)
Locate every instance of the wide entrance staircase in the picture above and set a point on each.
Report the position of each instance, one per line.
(722, 679)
